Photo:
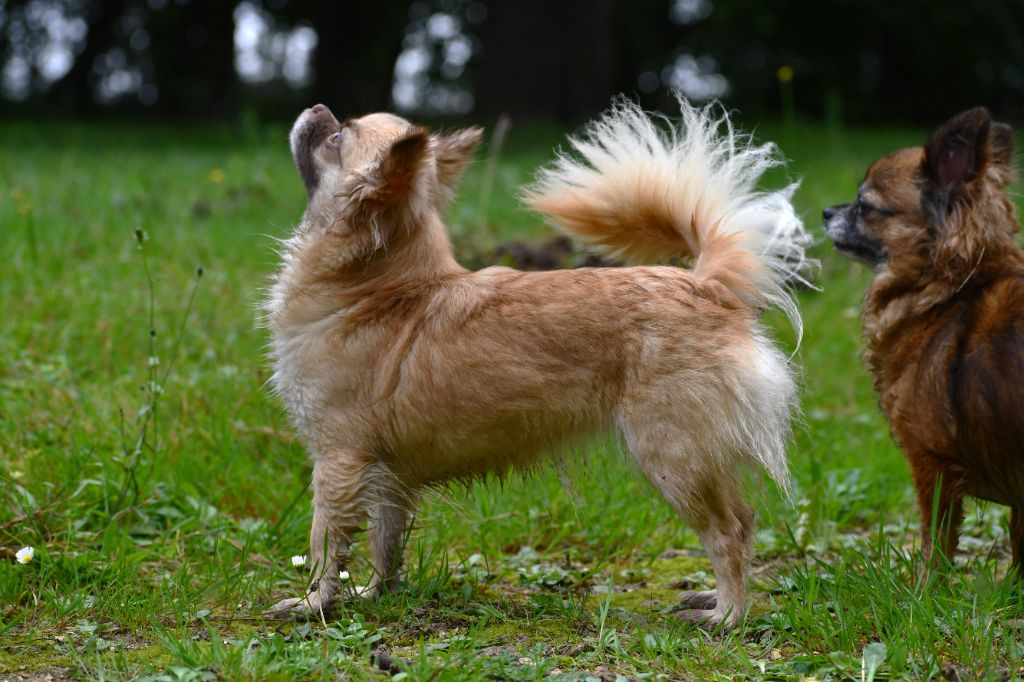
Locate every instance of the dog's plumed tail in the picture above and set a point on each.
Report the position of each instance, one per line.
(642, 189)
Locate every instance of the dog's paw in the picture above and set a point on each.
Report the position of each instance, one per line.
(711, 620)
(294, 608)
(706, 600)
(367, 592)
(708, 619)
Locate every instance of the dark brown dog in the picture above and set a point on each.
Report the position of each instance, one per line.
(943, 320)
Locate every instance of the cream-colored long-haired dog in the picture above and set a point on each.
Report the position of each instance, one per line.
(403, 370)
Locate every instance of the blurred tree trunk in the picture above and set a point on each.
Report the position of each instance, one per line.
(354, 59)
(189, 58)
(73, 93)
(192, 54)
(544, 59)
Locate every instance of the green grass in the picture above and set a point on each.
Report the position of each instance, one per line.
(156, 561)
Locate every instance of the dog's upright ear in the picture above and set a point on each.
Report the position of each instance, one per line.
(395, 181)
(453, 152)
(1001, 145)
(956, 152)
(967, 164)
(402, 164)
(963, 149)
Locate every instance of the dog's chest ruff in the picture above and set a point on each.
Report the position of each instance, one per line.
(295, 338)
(301, 390)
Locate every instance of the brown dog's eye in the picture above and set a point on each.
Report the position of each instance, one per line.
(866, 210)
(335, 139)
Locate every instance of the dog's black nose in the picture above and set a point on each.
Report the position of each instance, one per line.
(829, 212)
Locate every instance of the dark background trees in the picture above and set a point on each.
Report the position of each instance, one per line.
(547, 59)
(850, 60)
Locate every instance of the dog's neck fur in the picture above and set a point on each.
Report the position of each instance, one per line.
(897, 295)
(329, 267)
(898, 299)
(969, 246)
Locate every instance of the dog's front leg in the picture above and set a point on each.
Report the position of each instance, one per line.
(389, 521)
(1017, 540)
(340, 484)
(940, 501)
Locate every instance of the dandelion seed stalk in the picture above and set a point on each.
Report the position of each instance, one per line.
(147, 421)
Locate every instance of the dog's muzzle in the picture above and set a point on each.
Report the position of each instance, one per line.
(310, 130)
(840, 225)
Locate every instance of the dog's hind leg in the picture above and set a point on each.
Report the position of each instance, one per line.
(703, 600)
(341, 481)
(705, 493)
(725, 524)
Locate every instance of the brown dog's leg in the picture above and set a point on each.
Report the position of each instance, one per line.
(941, 505)
(340, 483)
(1017, 540)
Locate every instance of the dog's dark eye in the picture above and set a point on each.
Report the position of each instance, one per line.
(335, 139)
(866, 210)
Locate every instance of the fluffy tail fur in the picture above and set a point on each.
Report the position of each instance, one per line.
(645, 190)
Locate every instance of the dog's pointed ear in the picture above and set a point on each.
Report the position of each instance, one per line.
(453, 153)
(403, 162)
(1001, 145)
(965, 159)
(964, 147)
(393, 180)
(956, 152)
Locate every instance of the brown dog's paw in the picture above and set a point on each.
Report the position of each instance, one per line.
(295, 608)
(705, 600)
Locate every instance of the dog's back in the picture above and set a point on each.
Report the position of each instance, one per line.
(501, 366)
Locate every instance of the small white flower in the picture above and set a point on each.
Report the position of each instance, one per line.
(154, 361)
(344, 576)
(299, 560)
(25, 554)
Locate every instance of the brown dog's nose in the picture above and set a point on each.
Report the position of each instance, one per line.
(318, 109)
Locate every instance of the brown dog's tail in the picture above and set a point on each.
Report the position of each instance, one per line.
(646, 192)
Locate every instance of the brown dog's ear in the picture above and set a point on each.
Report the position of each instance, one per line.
(957, 151)
(966, 160)
(453, 153)
(1001, 144)
(965, 146)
